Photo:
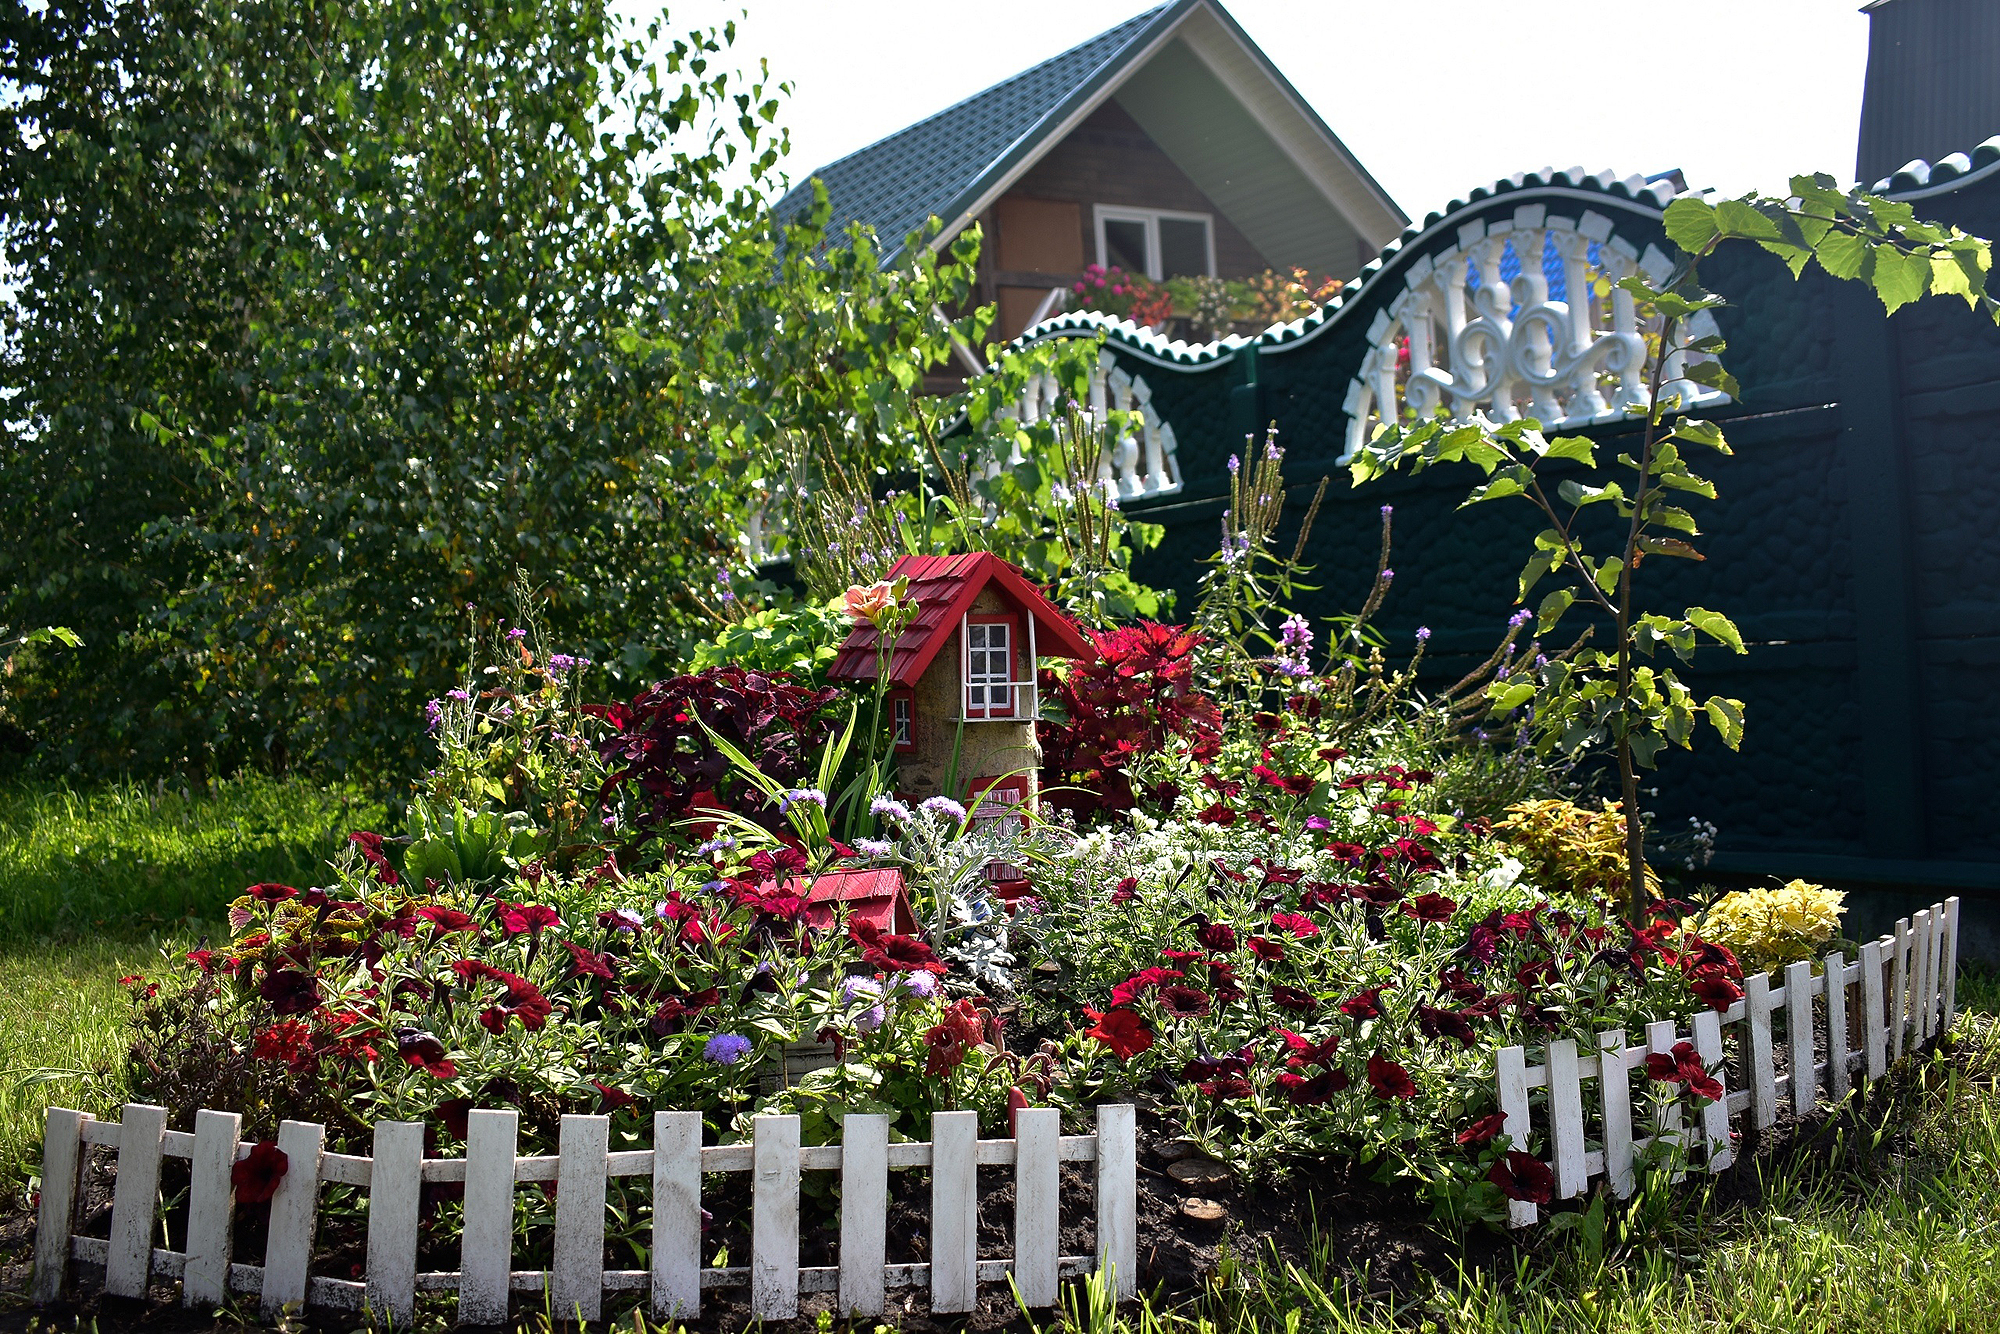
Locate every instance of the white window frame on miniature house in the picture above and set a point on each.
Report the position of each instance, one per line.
(1024, 702)
(1103, 213)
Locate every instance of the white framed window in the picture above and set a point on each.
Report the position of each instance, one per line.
(1157, 242)
(989, 669)
(902, 720)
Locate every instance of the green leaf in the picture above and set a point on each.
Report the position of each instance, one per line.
(1736, 217)
(1697, 432)
(1572, 447)
(1668, 546)
(1552, 609)
(1717, 627)
(1713, 375)
(1727, 716)
(1576, 493)
(1842, 254)
(1691, 224)
(1607, 575)
(1538, 565)
(1899, 278)
(1672, 516)
(1508, 696)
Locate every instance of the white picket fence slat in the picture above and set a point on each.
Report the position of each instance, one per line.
(577, 1284)
(1915, 1002)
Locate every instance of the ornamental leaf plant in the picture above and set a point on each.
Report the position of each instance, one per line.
(1624, 693)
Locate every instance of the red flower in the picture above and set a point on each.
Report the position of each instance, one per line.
(900, 954)
(1184, 1002)
(1432, 907)
(531, 917)
(423, 1050)
(1388, 1079)
(1121, 1030)
(1217, 936)
(271, 893)
(1365, 1004)
(614, 1100)
(1291, 998)
(1142, 982)
(1717, 991)
(1303, 1092)
(1297, 785)
(289, 1040)
(1270, 951)
(1125, 891)
(1683, 1066)
(778, 863)
(1522, 1176)
(446, 919)
(1346, 852)
(202, 959)
(290, 991)
(587, 963)
(371, 848)
(1484, 1129)
(1437, 1023)
(1226, 1088)
(950, 1039)
(1222, 981)
(1201, 1068)
(1217, 814)
(256, 1176)
(1304, 1051)
(1303, 928)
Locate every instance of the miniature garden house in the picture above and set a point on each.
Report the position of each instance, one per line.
(962, 678)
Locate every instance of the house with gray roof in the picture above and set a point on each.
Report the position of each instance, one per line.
(1169, 145)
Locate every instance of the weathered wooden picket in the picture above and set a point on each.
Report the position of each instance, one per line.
(577, 1283)
(1907, 985)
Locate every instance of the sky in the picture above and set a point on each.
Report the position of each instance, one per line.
(1433, 96)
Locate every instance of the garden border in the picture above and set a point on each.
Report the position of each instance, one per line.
(1916, 1002)
(577, 1281)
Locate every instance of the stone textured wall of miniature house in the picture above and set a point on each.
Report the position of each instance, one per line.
(988, 749)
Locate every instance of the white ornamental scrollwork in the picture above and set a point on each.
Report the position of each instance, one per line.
(1463, 339)
(1138, 465)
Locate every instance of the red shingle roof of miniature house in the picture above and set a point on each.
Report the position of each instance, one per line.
(876, 896)
(944, 588)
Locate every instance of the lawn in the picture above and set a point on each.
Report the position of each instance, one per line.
(1882, 1221)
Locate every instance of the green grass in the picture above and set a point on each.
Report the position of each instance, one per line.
(130, 859)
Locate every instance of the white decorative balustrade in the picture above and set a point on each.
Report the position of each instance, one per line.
(1475, 330)
(1141, 464)
(577, 1283)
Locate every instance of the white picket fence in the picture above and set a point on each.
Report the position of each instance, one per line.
(578, 1283)
(1907, 985)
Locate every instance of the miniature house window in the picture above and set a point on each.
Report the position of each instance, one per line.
(902, 720)
(989, 668)
(1155, 242)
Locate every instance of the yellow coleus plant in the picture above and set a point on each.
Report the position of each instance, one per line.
(1769, 928)
(1570, 847)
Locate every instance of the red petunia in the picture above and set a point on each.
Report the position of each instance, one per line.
(1436, 1023)
(1125, 891)
(290, 991)
(271, 893)
(1365, 1004)
(1431, 907)
(1683, 1065)
(1302, 928)
(256, 1175)
(1226, 1088)
(901, 954)
(446, 919)
(1303, 1092)
(588, 963)
(423, 1051)
(1291, 998)
(1522, 1176)
(1217, 936)
(1142, 982)
(1217, 814)
(1270, 951)
(1484, 1130)
(371, 848)
(1222, 981)
(1388, 1079)
(614, 1100)
(1184, 1002)
(1346, 852)
(531, 917)
(1121, 1030)
(1716, 991)
(1201, 1068)
(1304, 1051)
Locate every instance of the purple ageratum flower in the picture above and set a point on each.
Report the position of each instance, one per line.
(801, 796)
(726, 1048)
(923, 985)
(855, 987)
(889, 807)
(1423, 634)
(874, 847)
(944, 806)
(714, 886)
(722, 843)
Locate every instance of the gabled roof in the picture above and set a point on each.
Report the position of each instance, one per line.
(944, 588)
(955, 163)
